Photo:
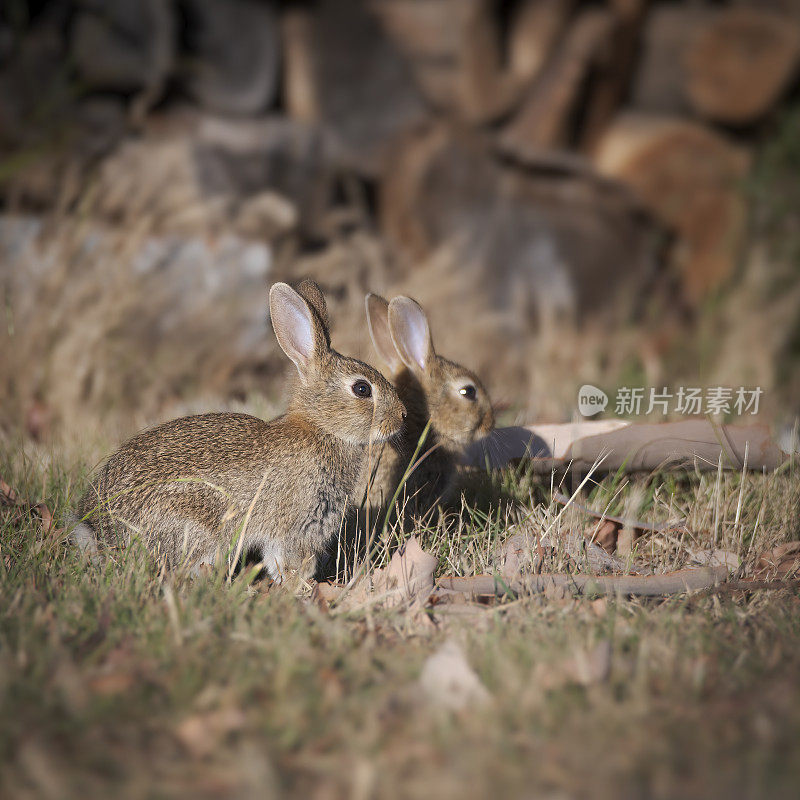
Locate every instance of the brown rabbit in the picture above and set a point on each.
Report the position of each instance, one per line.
(186, 487)
(432, 389)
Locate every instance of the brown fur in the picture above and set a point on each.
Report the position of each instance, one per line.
(430, 392)
(185, 487)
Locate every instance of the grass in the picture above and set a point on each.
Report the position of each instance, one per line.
(128, 681)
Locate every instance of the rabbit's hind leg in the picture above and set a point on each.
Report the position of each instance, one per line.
(273, 558)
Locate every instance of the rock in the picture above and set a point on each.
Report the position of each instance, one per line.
(134, 323)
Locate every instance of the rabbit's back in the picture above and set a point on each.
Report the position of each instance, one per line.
(187, 485)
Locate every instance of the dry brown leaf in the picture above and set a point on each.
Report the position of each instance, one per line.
(324, 593)
(621, 522)
(46, 515)
(516, 555)
(38, 419)
(8, 497)
(584, 668)
(779, 563)
(449, 683)
(715, 558)
(599, 607)
(201, 734)
(112, 683)
(604, 534)
(583, 551)
(409, 576)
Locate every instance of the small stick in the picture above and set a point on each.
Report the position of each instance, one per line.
(684, 580)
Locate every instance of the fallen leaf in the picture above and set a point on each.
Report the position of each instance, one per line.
(638, 526)
(625, 539)
(715, 558)
(592, 666)
(409, 576)
(38, 419)
(8, 497)
(202, 734)
(112, 683)
(578, 546)
(46, 516)
(604, 534)
(599, 607)
(584, 668)
(448, 681)
(779, 563)
(325, 593)
(516, 555)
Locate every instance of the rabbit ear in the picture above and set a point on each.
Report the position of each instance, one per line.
(309, 290)
(298, 328)
(411, 335)
(378, 322)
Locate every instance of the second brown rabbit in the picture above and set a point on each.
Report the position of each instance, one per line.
(433, 389)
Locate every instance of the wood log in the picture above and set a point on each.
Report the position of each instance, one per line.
(610, 85)
(553, 234)
(613, 444)
(659, 79)
(365, 89)
(543, 120)
(688, 176)
(534, 29)
(299, 88)
(234, 50)
(453, 47)
(740, 63)
(125, 46)
(403, 185)
(788, 8)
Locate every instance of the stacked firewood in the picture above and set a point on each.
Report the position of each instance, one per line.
(566, 147)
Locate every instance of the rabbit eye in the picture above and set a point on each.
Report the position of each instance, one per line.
(361, 388)
(468, 391)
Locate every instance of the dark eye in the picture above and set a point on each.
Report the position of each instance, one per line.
(361, 388)
(468, 391)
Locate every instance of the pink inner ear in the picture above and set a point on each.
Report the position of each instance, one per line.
(418, 339)
(293, 323)
(300, 330)
(410, 329)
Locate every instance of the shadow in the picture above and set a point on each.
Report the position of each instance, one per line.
(503, 445)
(349, 549)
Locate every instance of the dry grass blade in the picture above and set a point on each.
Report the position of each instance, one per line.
(240, 542)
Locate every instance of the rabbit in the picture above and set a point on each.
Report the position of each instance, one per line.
(431, 388)
(186, 487)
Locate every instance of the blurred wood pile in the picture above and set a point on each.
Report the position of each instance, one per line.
(572, 160)
(553, 139)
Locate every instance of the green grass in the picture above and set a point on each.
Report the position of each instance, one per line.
(128, 681)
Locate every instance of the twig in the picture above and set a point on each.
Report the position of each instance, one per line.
(685, 580)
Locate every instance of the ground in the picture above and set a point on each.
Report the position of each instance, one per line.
(131, 681)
